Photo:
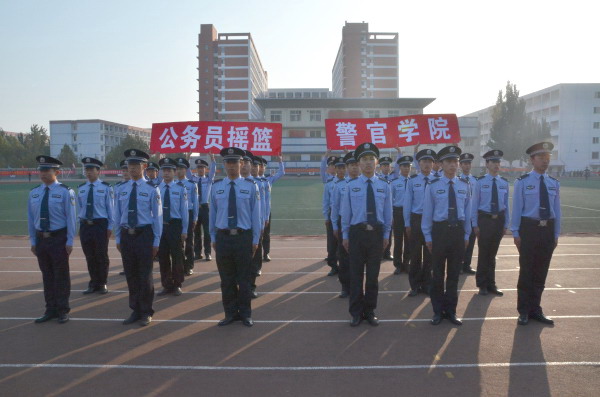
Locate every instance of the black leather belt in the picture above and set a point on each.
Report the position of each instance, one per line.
(366, 227)
(448, 224)
(134, 230)
(53, 233)
(204, 205)
(491, 216)
(537, 222)
(173, 221)
(232, 232)
(92, 221)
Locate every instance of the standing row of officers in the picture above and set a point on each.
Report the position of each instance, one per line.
(154, 217)
(436, 216)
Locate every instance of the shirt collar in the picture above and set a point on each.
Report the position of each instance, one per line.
(536, 174)
(236, 181)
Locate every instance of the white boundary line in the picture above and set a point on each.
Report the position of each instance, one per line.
(309, 368)
(580, 208)
(399, 320)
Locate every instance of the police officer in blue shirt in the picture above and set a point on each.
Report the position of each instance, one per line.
(271, 179)
(465, 162)
(95, 201)
(327, 168)
(490, 219)
(339, 190)
(387, 174)
(126, 177)
(52, 225)
(248, 165)
(235, 230)
(138, 229)
(446, 225)
(419, 271)
(399, 185)
(366, 224)
(331, 240)
(192, 192)
(152, 173)
(263, 182)
(175, 226)
(204, 180)
(535, 226)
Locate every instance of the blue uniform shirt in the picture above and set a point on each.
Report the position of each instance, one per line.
(413, 197)
(336, 199)
(61, 209)
(482, 197)
(192, 194)
(328, 196)
(399, 187)
(179, 202)
(104, 201)
(354, 204)
(206, 182)
(280, 172)
(526, 200)
(149, 208)
(263, 199)
(247, 204)
(435, 204)
(267, 187)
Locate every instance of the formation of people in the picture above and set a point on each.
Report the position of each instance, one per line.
(434, 218)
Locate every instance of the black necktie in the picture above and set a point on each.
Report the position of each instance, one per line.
(200, 189)
(232, 210)
(132, 214)
(371, 210)
(544, 200)
(452, 210)
(405, 183)
(426, 179)
(45, 211)
(89, 210)
(495, 209)
(167, 205)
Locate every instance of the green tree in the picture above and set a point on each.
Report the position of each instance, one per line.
(12, 151)
(114, 157)
(67, 156)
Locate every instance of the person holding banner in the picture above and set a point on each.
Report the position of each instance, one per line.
(192, 192)
(235, 231)
(332, 259)
(419, 273)
(204, 180)
(446, 225)
(399, 185)
(366, 212)
(271, 179)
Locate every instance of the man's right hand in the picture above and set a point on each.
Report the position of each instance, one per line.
(214, 246)
(346, 244)
(518, 242)
(429, 247)
(476, 231)
(407, 229)
(119, 247)
(33, 250)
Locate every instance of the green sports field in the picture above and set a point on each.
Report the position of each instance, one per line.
(296, 208)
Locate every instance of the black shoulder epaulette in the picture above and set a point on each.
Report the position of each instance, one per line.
(330, 179)
(35, 187)
(353, 179)
(250, 180)
(151, 184)
(479, 177)
(551, 177)
(504, 178)
(180, 183)
(385, 180)
(83, 184)
(217, 180)
(65, 186)
(340, 180)
(435, 180)
(118, 183)
(523, 177)
(413, 176)
(105, 183)
(463, 180)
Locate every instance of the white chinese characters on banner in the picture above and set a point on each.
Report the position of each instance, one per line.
(214, 137)
(189, 137)
(408, 129)
(438, 128)
(238, 137)
(346, 132)
(262, 139)
(167, 139)
(377, 132)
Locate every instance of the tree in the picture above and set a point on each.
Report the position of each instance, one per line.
(114, 157)
(67, 156)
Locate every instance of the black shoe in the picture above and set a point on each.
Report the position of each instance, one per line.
(356, 320)
(343, 294)
(46, 317)
(189, 272)
(333, 271)
(483, 291)
(89, 290)
(103, 289)
(145, 320)
(155, 259)
(523, 319)
(247, 321)
(131, 319)
(495, 291)
(63, 318)
(436, 320)
(253, 294)
(453, 319)
(259, 273)
(208, 258)
(371, 319)
(266, 258)
(541, 318)
(177, 291)
(164, 291)
(424, 290)
(469, 270)
(228, 320)
(121, 273)
(413, 292)
(397, 271)
(388, 257)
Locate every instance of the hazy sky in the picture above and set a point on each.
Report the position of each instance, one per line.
(134, 62)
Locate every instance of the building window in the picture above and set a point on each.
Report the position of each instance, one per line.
(597, 94)
(596, 109)
(292, 157)
(280, 95)
(315, 115)
(315, 157)
(595, 139)
(393, 113)
(373, 114)
(297, 95)
(275, 115)
(295, 115)
(289, 95)
(315, 134)
(595, 155)
(596, 125)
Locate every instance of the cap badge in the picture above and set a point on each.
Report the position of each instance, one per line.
(230, 151)
(545, 145)
(367, 146)
(496, 153)
(428, 151)
(132, 153)
(42, 159)
(87, 160)
(452, 149)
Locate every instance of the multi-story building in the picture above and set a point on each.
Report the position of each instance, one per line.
(93, 138)
(230, 76)
(573, 112)
(366, 65)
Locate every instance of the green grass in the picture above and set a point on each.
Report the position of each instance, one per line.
(296, 206)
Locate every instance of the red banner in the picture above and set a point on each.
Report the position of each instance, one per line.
(212, 136)
(392, 131)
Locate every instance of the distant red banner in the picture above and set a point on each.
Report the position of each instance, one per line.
(392, 131)
(212, 136)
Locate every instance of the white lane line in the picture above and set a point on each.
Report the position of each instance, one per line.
(580, 208)
(310, 292)
(398, 320)
(308, 368)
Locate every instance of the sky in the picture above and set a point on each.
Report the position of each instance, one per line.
(134, 62)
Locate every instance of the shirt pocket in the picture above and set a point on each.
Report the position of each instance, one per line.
(55, 198)
(440, 195)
